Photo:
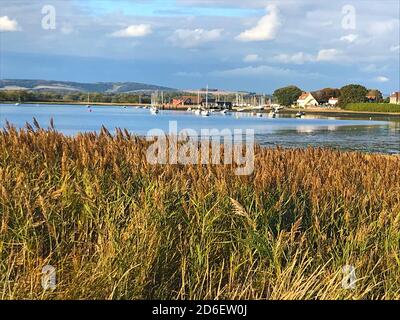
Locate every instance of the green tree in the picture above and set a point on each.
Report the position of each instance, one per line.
(325, 94)
(375, 95)
(352, 93)
(288, 95)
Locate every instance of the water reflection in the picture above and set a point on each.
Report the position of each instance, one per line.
(354, 132)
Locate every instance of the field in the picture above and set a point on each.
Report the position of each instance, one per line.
(116, 227)
(373, 107)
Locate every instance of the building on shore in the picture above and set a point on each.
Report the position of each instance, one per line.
(373, 96)
(184, 101)
(333, 101)
(395, 98)
(224, 104)
(209, 103)
(307, 100)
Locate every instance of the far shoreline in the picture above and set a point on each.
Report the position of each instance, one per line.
(314, 111)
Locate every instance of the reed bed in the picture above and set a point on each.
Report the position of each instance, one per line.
(116, 227)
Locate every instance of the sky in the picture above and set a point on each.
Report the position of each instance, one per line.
(252, 45)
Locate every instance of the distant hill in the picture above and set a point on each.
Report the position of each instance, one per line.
(65, 86)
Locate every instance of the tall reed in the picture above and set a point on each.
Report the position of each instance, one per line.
(116, 227)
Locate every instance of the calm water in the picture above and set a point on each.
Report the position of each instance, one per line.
(379, 134)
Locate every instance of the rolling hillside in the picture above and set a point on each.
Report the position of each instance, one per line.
(63, 86)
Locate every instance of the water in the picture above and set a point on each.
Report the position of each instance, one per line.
(379, 134)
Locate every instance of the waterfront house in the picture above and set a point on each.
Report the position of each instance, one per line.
(333, 101)
(211, 102)
(224, 104)
(307, 100)
(395, 98)
(373, 96)
(184, 101)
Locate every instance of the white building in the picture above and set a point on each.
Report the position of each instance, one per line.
(333, 101)
(395, 98)
(307, 100)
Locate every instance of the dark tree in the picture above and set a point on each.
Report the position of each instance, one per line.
(374, 95)
(352, 93)
(288, 95)
(323, 95)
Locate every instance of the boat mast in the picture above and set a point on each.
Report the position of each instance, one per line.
(207, 97)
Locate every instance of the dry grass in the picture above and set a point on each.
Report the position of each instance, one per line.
(116, 227)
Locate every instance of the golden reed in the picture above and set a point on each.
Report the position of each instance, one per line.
(115, 227)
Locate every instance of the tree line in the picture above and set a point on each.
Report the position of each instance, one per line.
(46, 96)
(352, 93)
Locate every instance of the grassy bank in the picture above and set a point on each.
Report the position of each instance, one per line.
(116, 227)
(373, 107)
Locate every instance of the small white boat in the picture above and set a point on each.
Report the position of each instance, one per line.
(154, 110)
(205, 113)
(225, 111)
(272, 114)
(259, 115)
(197, 112)
(189, 109)
(88, 100)
(300, 114)
(17, 104)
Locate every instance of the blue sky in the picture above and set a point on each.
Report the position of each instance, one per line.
(253, 45)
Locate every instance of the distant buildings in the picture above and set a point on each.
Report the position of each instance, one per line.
(210, 102)
(333, 101)
(374, 96)
(307, 100)
(395, 98)
(184, 101)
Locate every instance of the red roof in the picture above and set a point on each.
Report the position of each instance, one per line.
(395, 95)
(304, 95)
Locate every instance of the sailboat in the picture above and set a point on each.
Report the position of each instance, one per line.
(19, 101)
(88, 99)
(206, 112)
(153, 110)
(299, 114)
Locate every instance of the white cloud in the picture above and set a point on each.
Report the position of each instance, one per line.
(296, 58)
(395, 48)
(187, 38)
(373, 68)
(252, 71)
(252, 58)
(7, 24)
(133, 31)
(384, 27)
(67, 29)
(350, 38)
(328, 55)
(187, 74)
(301, 57)
(266, 27)
(381, 79)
